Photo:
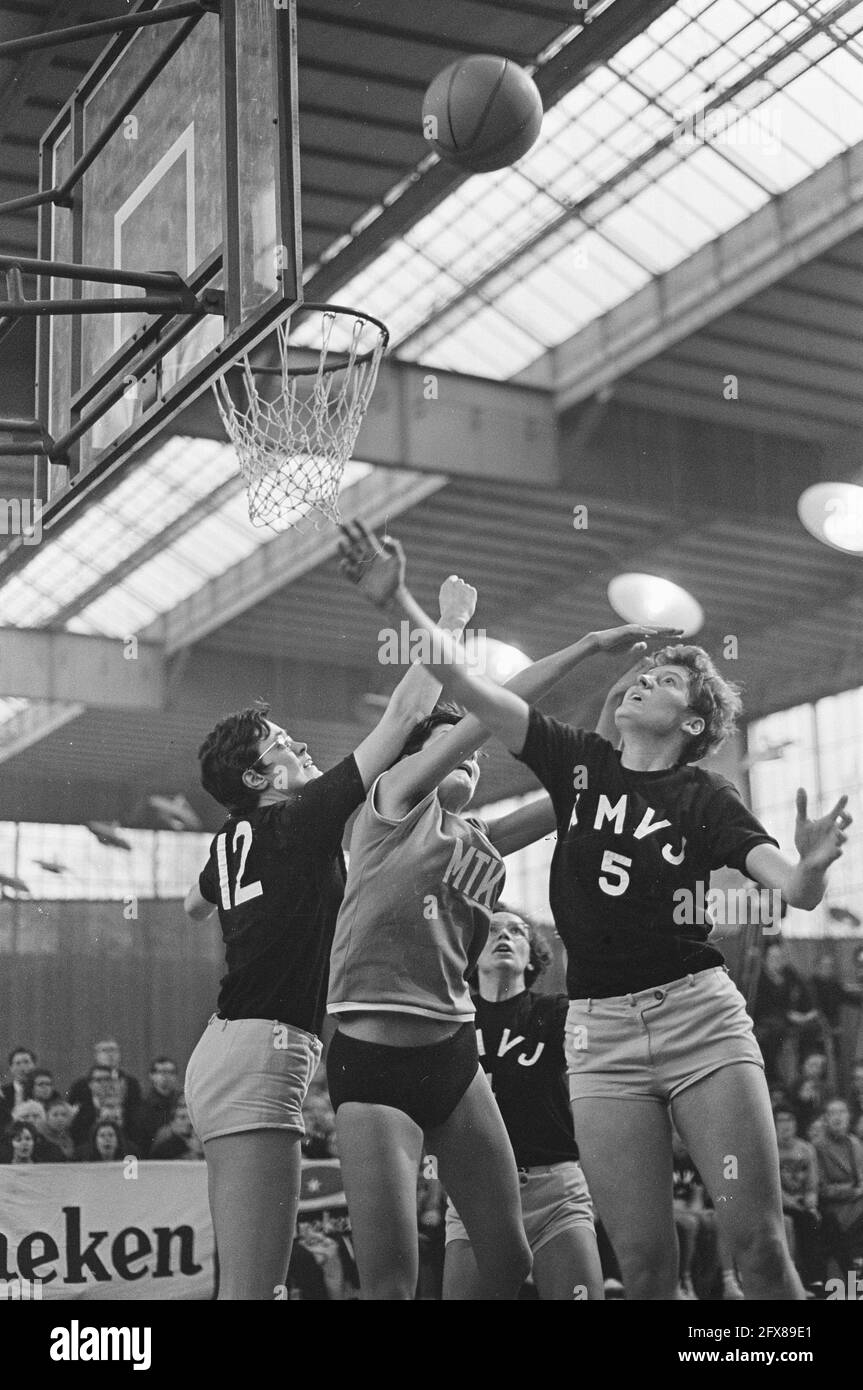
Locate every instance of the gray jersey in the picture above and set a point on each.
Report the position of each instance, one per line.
(418, 900)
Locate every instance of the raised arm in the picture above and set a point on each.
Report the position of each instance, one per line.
(377, 568)
(417, 692)
(818, 842)
(523, 826)
(501, 710)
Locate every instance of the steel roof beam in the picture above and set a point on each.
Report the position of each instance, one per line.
(107, 672)
(789, 231)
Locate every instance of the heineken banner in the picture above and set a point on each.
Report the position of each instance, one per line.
(131, 1230)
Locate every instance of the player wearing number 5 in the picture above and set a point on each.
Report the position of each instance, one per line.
(656, 1029)
(277, 875)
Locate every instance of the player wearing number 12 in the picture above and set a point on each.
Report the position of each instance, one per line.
(277, 874)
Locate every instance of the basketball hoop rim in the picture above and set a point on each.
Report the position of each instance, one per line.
(314, 306)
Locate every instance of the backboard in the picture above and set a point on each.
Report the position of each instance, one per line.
(182, 146)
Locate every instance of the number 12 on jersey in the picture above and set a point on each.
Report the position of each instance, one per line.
(243, 892)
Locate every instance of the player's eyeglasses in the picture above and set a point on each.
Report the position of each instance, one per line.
(280, 741)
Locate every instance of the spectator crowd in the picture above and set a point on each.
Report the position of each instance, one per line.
(104, 1116)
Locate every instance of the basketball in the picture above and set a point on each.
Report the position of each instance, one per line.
(482, 113)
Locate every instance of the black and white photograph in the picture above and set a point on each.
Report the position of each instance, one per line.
(431, 669)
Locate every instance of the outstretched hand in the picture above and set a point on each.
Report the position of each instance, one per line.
(633, 637)
(820, 841)
(376, 567)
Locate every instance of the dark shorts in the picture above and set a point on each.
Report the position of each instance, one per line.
(426, 1083)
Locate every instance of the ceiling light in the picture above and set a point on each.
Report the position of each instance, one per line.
(833, 514)
(497, 660)
(655, 602)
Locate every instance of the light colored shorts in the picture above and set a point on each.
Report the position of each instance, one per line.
(249, 1073)
(554, 1198)
(652, 1045)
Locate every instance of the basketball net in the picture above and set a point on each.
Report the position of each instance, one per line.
(293, 446)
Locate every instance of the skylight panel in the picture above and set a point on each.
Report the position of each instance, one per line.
(611, 153)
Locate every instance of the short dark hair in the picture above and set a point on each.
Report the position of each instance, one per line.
(41, 1071)
(715, 699)
(90, 1150)
(19, 1127)
(14, 1053)
(784, 1110)
(228, 751)
(444, 712)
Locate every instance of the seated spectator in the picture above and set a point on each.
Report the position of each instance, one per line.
(157, 1105)
(40, 1086)
(811, 1092)
(111, 1109)
(783, 1013)
(33, 1111)
(106, 1144)
(21, 1140)
(816, 1131)
(126, 1088)
(177, 1139)
(320, 1268)
(840, 1160)
(58, 1119)
(101, 1090)
(21, 1063)
(799, 1176)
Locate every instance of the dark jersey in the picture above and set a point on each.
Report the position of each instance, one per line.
(277, 875)
(521, 1049)
(631, 869)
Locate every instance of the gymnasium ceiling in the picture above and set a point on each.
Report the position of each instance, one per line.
(684, 261)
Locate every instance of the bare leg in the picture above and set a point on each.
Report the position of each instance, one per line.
(380, 1150)
(477, 1168)
(461, 1281)
(254, 1188)
(686, 1223)
(567, 1263)
(625, 1150)
(560, 1266)
(726, 1123)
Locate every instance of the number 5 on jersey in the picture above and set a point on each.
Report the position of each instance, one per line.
(615, 879)
(243, 892)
